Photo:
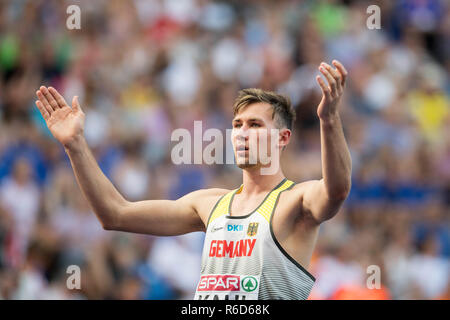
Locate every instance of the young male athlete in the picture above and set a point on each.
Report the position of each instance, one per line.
(259, 237)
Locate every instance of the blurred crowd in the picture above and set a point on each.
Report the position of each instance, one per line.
(143, 68)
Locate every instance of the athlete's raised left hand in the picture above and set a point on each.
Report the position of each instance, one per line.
(333, 90)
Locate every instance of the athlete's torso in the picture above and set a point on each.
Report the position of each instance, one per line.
(242, 258)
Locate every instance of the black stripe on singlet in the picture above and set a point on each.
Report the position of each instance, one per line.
(298, 265)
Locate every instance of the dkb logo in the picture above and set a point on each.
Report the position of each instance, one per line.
(235, 227)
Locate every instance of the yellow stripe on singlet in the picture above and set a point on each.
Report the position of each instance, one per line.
(222, 207)
(269, 204)
(265, 209)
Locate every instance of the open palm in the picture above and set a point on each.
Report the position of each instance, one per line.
(65, 123)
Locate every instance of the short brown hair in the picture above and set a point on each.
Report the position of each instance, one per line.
(282, 106)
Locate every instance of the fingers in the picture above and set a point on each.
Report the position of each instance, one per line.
(341, 70)
(43, 110)
(336, 76)
(325, 89)
(44, 102)
(331, 81)
(76, 104)
(59, 98)
(49, 98)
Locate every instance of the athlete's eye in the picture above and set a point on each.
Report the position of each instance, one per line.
(255, 125)
(237, 125)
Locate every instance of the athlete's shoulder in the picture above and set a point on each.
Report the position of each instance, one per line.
(209, 192)
(304, 184)
(203, 200)
(299, 188)
(207, 196)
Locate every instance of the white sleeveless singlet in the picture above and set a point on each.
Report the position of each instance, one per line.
(242, 259)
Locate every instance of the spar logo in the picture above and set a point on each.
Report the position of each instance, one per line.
(249, 283)
(219, 283)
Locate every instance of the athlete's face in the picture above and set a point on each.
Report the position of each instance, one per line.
(256, 137)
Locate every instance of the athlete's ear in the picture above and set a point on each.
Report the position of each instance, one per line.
(284, 137)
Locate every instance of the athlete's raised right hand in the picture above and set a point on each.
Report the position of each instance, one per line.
(65, 123)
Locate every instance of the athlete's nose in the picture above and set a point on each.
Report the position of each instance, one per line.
(242, 134)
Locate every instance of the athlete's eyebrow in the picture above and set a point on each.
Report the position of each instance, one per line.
(256, 119)
(249, 120)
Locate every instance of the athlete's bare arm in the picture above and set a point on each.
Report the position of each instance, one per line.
(168, 217)
(323, 198)
(156, 217)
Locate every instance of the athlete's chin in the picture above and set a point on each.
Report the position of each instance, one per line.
(246, 165)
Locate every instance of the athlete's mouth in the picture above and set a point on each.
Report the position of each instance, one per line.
(241, 148)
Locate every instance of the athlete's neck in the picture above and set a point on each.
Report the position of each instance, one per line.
(255, 183)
